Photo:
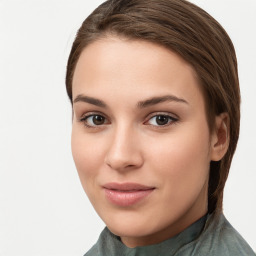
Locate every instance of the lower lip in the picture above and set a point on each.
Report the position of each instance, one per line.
(126, 198)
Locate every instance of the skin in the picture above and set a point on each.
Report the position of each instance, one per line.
(130, 146)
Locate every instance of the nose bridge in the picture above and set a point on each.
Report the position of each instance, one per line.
(124, 152)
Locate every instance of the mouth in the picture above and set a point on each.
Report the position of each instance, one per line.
(126, 194)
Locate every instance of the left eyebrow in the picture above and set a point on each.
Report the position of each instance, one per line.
(157, 100)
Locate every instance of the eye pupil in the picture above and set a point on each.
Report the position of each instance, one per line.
(162, 120)
(98, 120)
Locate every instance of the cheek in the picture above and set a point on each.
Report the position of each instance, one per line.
(181, 168)
(183, 157)
(87, 156)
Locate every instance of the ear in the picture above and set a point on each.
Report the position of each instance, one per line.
(220, 137)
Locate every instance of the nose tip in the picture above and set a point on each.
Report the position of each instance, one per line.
(121, 165)
(121, 161)
(124, 154)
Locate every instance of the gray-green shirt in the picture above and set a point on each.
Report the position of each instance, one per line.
(211, 235)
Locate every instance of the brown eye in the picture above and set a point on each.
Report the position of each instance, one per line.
(98, 120)
(161, 120)
(94, 120)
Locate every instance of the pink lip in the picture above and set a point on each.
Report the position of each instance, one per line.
(126, 194)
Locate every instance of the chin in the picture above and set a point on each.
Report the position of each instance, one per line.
(128, 230)
(130, 224)
(133, 224)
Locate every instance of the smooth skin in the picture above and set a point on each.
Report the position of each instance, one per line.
(140, 117)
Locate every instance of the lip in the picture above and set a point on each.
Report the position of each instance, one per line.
(126, 194)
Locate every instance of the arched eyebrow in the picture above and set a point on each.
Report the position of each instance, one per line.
(141, 104)
(157, 100)
(90, 100)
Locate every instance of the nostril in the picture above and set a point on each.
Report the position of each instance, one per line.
(123, 164)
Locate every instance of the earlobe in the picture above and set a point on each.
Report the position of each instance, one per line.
(220, 137)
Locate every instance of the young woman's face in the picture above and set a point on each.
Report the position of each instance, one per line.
(140, 139)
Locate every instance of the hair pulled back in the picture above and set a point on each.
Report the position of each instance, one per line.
(193, 34)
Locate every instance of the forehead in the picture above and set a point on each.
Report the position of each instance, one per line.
(133, 68)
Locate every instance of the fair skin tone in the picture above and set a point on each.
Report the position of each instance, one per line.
(139, 117)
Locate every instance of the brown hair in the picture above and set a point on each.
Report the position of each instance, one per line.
(198, 38)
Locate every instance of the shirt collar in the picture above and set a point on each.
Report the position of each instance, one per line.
(112, 245)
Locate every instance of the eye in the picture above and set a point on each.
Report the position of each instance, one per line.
(161, 120)
(93, 120)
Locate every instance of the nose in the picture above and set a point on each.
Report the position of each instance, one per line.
(124, 152)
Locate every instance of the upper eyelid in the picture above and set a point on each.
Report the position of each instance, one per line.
(92, 113)
(84, 117)
(146, 118)
(159, 113)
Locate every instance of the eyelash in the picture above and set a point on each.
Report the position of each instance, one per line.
(171, 120)
(85, 118)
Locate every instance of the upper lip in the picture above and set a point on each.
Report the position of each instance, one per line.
(128, 186)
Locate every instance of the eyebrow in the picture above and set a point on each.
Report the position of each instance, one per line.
(141, 104)
(157, 100)
(90, 100)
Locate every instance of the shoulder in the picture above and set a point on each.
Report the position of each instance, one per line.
(229, 238)
(220, 238)
(106, 245)
(96, 250)
(93, 251)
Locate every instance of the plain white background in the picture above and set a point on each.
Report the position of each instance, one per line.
(43, 209)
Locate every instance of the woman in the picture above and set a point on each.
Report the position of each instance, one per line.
(155, 96)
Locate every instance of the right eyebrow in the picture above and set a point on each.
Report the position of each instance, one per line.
(90, 100)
